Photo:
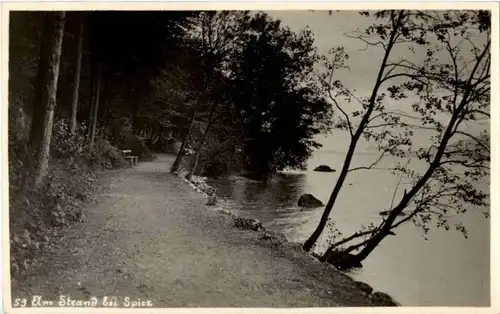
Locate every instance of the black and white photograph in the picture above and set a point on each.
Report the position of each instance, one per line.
(248, 158)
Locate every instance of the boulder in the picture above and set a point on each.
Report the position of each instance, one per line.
(308, 200)
(212, 200)
(386, 212)
(383, 299)
(324, 168)
(248, 223)
(366, 288)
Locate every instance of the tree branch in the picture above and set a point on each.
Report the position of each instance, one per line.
(346, 116)
(373, 164)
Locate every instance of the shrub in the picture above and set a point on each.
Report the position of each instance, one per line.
(127, 140)
(57, 203)
(220, 158)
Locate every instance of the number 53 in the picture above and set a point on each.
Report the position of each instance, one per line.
(20, 302)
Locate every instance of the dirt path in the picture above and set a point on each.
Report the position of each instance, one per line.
(152, 237)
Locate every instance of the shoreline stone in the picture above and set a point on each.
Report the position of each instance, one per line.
(248, 223)
(309, 201)
(324, 168)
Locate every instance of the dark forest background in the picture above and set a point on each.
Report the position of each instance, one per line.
(227, 91)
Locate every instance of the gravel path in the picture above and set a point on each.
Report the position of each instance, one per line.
(151, 237)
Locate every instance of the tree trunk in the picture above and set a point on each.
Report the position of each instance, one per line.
(76, 88)
(333, 197)
(347, 260)
(371, 245)
(45, 94)
(96, 104)
(181, 153)
(92, 101)
(202, 142)
(352, 147)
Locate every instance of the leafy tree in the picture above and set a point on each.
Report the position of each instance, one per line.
(214, 35)
(170, 106)
(275, 93)
(451, 85)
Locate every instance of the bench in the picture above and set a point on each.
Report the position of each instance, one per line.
(133, 159)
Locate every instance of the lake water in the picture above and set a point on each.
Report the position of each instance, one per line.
(446, 270)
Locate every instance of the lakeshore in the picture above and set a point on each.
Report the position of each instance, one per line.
(152, 237)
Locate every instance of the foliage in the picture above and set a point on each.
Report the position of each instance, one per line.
(279, 103)
(127, 140)
(172, 97)
(447, 90)
(221, 156)
(35, 215)
(129, 57)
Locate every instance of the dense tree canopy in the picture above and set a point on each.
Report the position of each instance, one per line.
(166, 76)
(273, 90)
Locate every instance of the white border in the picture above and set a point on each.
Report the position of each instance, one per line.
(254, 5)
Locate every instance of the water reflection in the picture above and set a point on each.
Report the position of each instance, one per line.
(269, 200)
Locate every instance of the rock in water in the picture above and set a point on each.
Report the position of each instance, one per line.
(324, 168)
(308, 200)
(387, 212)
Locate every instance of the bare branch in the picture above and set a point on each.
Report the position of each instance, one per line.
(396, 65)
(394, 113)
(367, 42)
(480, 112)
(346, 116)
(476, 139)
(373, 164)
(354, 236)
(398, 184)
(463, 163)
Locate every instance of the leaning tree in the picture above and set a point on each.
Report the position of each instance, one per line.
(442, 87)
